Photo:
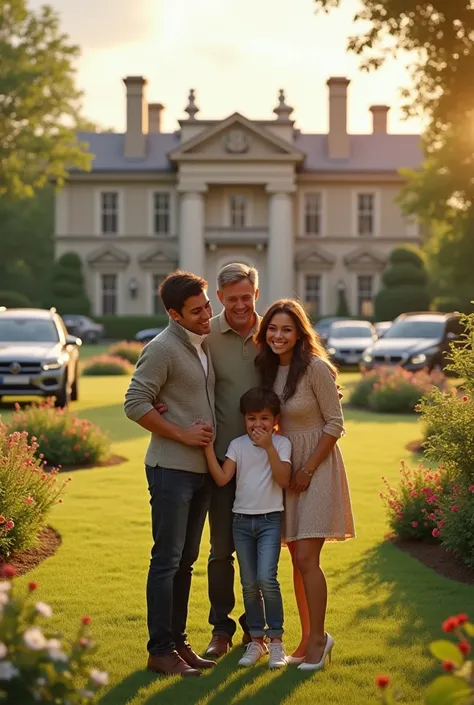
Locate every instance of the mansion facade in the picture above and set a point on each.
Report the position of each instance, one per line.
(315, 213)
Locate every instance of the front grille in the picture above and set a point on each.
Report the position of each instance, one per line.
(25, 368)
(389, 359)
(351, 352)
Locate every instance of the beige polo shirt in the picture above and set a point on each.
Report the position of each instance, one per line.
(233, 359)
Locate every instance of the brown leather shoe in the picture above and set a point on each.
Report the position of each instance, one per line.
(219, 645)
(192, 659)
(171, 665)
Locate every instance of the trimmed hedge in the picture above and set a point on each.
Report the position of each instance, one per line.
(125, 327)
(13, 299)
(446, 304)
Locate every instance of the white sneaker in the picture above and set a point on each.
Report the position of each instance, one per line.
(277, 655)
(253, 653)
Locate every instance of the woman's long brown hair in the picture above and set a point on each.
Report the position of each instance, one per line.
(307, 346)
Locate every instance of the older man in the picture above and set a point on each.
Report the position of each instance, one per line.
(233, 354)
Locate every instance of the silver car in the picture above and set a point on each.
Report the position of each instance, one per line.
(37, 356)
(347, 340)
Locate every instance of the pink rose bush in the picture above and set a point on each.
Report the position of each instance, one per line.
(111, 365)
(394, 389)
(127, 350)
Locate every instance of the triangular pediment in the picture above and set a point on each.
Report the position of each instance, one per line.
(158, 260)
(369, 259)
(315, 258)
(236, 138)
(108, 255)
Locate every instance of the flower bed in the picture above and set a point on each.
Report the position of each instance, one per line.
(27, 491)
(126, 350)
(107, 365)
(394, 389)
(36, 664)
(61, 439)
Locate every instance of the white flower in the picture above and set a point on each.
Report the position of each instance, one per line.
(34, 639)
(43, 609)
(57, 655)
(54, 644)
(8, 671)
(3, 650)
(5, 587)
(86, 694)
(3, 598)
(40, 682)
(99, 677)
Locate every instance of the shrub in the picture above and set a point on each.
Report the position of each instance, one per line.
(13, 299)
(413, 511)
(107, 365)
(456, 684)
(27, 492)
(126, 350)
(456, 520)
(125, 327)
(446, 304)
(37, 665)
(67, 288)
(404, 285)
(62, 438)
(394, 390)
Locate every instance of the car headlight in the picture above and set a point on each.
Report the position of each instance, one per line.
(52, 365)
(422, 357)
(332, 351)
(367, 358)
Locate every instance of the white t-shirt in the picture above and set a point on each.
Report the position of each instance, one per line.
(257, 492)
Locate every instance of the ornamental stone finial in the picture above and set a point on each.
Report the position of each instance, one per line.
(192, 108)
(282, 111)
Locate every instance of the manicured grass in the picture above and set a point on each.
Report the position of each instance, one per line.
(384, 606)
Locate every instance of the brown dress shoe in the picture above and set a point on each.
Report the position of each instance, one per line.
(218, 646)
(192, 659)
(171, 665)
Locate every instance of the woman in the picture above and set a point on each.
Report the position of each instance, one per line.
(317, 506)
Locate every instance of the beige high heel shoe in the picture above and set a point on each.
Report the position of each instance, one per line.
(326, 655)
(293, 660)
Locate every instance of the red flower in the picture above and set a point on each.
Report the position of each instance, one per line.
(84, 643)
(435, 533)
(462, 618)
(455, 508)
(450, 624)
(465, 398)
(382, 681)
(3, 520)
(448, 666)
(86, 620)
(9, 571)
(32, 586)
(464, 647)
(414, 524)
(9, 525)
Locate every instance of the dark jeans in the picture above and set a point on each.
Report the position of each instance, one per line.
(257, 540)
(220, 568)
(179, 503)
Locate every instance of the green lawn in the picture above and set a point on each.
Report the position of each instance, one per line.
(384, 606)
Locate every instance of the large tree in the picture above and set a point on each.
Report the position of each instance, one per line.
(436, 41)
(39, 103)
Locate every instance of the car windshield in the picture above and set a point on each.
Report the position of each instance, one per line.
(350, 332)
(28, 330)
(415, 329)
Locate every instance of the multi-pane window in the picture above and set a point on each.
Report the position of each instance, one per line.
(238, 211)
(365, 294)
(312, 213)
(157, 306)
(109, 212)
(109, 294)
(161, 212)
(365, 213)
(312, 293)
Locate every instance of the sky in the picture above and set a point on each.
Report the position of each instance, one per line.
(236, 54)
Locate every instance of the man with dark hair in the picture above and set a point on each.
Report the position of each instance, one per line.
(176, 368)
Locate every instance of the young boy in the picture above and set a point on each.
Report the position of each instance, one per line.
(261, 460)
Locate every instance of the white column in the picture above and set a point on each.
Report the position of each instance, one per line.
(192, 255)
(280, 256)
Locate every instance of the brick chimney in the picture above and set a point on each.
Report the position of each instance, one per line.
(154, 116)
(137, 117)
(379, 118)
(338, 139)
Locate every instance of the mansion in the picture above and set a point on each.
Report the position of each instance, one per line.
(315, 213)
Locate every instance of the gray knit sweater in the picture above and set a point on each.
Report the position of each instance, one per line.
(169, 369)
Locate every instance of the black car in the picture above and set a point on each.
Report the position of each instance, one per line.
(415, 341)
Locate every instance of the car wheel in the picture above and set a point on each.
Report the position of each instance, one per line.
(91, 338)
(63, 397)
(75, 386)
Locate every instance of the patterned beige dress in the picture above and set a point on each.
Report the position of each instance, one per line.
(324, 509)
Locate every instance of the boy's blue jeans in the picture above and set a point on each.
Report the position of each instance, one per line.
(257, 539)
